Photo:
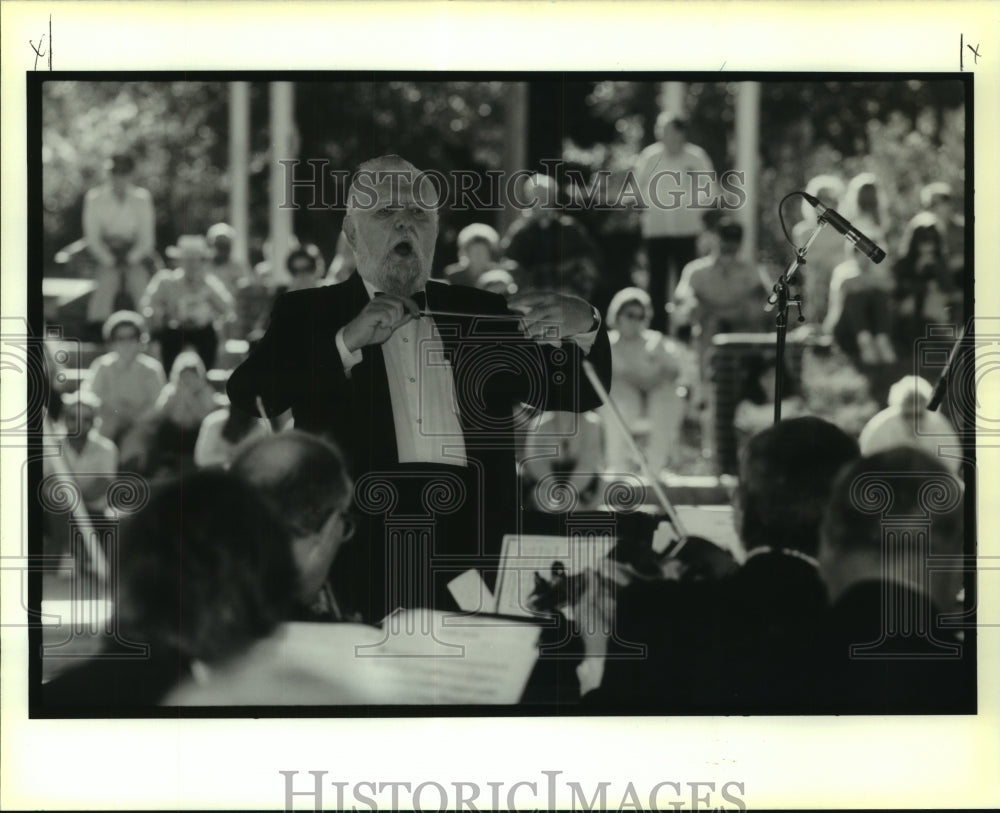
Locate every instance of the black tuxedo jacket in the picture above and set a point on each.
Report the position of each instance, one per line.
(496, 368)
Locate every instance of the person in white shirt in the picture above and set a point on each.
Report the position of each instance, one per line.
(908, 422)
(119, 226)
(188, 305)
(127, 381)
(646, 379)
(84, 456)
(672, 175)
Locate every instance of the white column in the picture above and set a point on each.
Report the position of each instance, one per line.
(748, 161)
(283, 147)
(516, 140)
(239, 166)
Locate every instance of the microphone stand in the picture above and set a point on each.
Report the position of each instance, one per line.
(780, 298)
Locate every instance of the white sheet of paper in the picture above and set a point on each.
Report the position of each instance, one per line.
(471, 593)
(422, 657)
(714, 523)
(525, 558)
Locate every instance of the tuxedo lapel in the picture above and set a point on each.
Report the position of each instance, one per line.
(371, 400)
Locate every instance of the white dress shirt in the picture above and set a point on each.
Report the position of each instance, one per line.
(422, 389)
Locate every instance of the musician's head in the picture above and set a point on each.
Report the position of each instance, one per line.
(206, 568)
(903, 487)
(305, 480)
(786, 474)
(392, 224)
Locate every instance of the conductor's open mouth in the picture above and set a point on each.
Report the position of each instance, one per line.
(403, 249)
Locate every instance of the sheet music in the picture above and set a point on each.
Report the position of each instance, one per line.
(526, 559)
(714, 523)
(420, 657)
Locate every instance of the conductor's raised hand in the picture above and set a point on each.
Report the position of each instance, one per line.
(378, 320)
(550, 316)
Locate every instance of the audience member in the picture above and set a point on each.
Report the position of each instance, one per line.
(477, 249)
(127, 381)
(938, 199)
(119, 226)
(497, 281)
(223, 433)
(860, 318)
(826, 252)
(306, 268)
(206, 570)
(187, 305)
(908, 422)
(186, 400)
(577, 463)
(924, 285)
(229, 270)
(722, 293)
(84, 455)
(885, 649)
(755, 409)
(669, 173)
(646, 379)
(745, 643)
(551, 249)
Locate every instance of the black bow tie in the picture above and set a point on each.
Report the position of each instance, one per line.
(419, 297)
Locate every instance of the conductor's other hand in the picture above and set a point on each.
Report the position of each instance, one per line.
(378, 320)
(550, 316)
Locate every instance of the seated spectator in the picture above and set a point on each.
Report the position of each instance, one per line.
(84, 454)
(186, 306)
(938, 199)
(304, 479)
(306, 269)
(550, 248)
(223, 433)
(885, 649)
(865, 205)
(721, 293)
(226, 268)
(127, 381)
(745, 643)
(825, 253)
(186, 400)
(477, 249)
(206, 570)
(497, 281)
(860, 318)
(908, 422)
(646, 379)
(119, 227)
(577, 464)
(755, 409)
(926, 289)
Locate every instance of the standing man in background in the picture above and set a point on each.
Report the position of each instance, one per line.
(674, 178)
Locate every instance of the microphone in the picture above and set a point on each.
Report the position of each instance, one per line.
(842, 225)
